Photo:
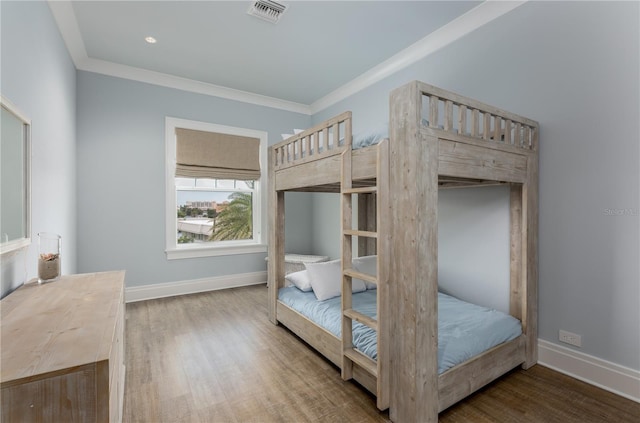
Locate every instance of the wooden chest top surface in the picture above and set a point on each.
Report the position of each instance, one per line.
(57, 327)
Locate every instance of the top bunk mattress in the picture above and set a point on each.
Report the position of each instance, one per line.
(464, 329)
(374, 134)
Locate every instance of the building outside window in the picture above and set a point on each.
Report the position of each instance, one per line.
(210, 210)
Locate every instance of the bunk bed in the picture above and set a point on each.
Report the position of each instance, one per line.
(436, 140)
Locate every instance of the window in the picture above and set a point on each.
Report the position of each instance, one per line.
(215, 184)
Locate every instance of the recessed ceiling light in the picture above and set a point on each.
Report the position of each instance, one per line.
(150, 40)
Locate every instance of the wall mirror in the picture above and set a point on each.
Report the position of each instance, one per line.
(15, 177)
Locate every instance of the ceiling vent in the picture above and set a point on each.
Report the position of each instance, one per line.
(267, 10)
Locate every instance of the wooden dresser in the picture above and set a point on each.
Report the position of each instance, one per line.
(62, 350)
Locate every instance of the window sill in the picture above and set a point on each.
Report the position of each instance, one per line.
(210, 251)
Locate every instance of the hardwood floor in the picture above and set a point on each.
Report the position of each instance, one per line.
(215, 357)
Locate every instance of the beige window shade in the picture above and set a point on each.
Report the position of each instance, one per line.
(201, 154)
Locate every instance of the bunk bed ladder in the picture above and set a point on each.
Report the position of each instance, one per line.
(377, 368)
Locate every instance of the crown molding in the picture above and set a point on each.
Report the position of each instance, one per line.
(185, 84)
(65, 17)
(473, 19)
(443, 36)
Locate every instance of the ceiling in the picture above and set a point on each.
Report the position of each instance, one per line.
(317, 49)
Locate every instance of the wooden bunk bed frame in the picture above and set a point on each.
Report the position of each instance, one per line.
(463, 143)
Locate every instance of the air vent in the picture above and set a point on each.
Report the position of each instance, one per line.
(267, 10)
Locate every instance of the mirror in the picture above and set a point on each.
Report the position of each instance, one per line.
(15, 164)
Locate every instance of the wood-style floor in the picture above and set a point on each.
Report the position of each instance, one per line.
(214, 357)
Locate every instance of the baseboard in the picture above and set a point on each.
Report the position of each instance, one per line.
(171, 289)
(604, 374)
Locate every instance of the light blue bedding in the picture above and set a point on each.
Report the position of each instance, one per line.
(464, 330)
(370, 137)
(376, 134)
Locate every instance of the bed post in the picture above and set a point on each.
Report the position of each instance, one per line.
(530, 244)
(524, 255)
(275, 270)
(413, 283)
(517, 289)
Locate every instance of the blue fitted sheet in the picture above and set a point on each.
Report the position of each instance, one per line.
(464, 330)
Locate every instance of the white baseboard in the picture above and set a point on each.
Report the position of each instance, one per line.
(604, 374)
(171, 289)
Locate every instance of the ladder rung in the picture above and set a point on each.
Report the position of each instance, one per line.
(360, 275)
(361, 318)
(361, 190)
(354, 232)
(362, 360)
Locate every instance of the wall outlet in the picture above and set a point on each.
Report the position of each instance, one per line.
(570, 338)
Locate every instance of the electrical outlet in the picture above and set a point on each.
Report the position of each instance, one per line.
(570, 338)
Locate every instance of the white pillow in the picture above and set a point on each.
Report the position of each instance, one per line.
(326, 279)
(300, 280)
(295, 132)
(368, 265)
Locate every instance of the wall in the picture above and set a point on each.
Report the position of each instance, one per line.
(121, 171)
(326, 228)
(37, 75)
(468, 269)
(574, 67)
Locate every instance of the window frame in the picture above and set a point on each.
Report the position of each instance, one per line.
(174, 250)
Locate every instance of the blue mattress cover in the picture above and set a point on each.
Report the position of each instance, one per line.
(464, 329)
(374, 134)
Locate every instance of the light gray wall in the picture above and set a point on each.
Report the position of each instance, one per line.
(121, 171)
(473, 245)
(574, 67)
(468, 269)
(40, 79)
(298, 214)
(326, 225)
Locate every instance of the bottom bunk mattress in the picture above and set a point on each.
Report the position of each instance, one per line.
(464, 329)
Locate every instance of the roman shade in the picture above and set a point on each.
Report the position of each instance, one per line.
(202, 154)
